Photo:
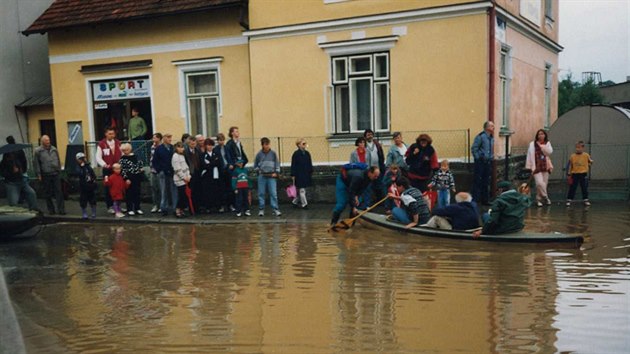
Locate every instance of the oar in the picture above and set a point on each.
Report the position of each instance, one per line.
(347, 223)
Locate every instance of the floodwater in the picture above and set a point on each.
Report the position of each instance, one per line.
(293, 288)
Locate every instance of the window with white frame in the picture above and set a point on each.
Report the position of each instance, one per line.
(548, 78)
(360, 92)
(504, 86)
(203, 102)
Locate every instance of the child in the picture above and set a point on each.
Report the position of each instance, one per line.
(181, 176)
(132, 171)
(241, 186)
(87, 185)
(577, 171)
(444, 182)
(389, 179)
(268, 167)
(117, 186)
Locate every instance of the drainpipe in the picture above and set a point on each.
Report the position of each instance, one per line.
(491, 78)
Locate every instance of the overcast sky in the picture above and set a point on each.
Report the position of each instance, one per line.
(595, 35)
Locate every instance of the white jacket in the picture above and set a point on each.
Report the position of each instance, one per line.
(180, 169)
(547, 150)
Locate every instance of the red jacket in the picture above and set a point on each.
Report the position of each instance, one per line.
(117, 186)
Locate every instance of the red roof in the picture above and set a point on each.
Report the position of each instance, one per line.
(72, 13)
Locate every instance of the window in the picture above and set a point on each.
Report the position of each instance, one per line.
(504, 86)
(360, 92)
(202, 98)
(547, 113)
(549, 9)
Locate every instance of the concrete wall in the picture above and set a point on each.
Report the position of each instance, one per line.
(24, 70)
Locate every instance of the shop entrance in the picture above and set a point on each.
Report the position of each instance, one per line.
(116, 114)
(113, 101)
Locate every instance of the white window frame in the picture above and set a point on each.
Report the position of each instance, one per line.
(355, 57)
(192, 66)
(351, 78)
(547, 106)
(334, 73)
(386, 77)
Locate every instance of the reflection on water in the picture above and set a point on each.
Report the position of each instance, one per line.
(294, 288)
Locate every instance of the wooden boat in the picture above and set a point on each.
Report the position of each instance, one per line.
(521, 236)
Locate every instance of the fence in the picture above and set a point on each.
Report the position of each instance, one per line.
(326, 150)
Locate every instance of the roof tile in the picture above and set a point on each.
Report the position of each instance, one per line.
(72, 13)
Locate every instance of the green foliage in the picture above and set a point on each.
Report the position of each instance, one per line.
(573, 94)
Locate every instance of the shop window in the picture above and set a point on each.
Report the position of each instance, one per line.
(361, 92)
(202, 96)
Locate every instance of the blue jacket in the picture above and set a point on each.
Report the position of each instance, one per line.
(463, 216)
(483, 147)
(162, 159)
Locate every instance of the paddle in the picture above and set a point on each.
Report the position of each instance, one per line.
(347, 223)
(190, 202)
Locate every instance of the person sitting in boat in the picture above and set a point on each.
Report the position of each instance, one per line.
(460, 216)
(351, 184)
(413, 209)
(507, 212)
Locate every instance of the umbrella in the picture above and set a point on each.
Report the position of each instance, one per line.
(190, 202)
(13, 147)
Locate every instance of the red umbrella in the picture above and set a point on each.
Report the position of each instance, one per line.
(190, 202)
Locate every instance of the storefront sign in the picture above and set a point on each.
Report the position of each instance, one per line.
(121, 89)
(100, 106)
(531, 10)
(75, 133)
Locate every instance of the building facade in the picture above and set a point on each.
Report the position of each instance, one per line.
(325, 69)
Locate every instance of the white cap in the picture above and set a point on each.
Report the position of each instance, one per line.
(80, 155)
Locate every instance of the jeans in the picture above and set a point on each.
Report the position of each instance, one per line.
(242, 199)
(156, 196)
(481, 182)
(582, 180)
(267, 184)
(52, 188)
(401, 215)
(14, 189)
(168, 192)
(443, 197)
(342, 196)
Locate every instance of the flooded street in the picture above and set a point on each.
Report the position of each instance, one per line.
(294, 288)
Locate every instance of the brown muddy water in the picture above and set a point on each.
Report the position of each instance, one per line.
(293, 288)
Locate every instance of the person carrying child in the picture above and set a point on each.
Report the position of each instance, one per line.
(444, 182)
(241, 186)
(577, 172)
(117, 187)
(87, 186)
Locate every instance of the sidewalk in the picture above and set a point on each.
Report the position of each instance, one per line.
(316, 213)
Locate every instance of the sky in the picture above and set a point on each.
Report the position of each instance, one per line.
(595, 35)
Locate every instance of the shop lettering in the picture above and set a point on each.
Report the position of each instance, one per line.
(122, 85)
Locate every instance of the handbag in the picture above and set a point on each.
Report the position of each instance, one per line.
(291, 191)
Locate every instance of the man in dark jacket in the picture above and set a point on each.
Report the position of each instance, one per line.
(164, 169)
(349, 186)
(507, 212)
(413, 210)
(460, 216)
(13, 169)
(234, 149)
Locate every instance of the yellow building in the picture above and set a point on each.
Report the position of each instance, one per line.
(324, 69)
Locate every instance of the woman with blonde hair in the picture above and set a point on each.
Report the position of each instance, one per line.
(131, 170)
(301, 172)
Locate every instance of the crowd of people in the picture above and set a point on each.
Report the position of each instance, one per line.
(202, 175)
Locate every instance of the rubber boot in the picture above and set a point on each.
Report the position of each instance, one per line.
(335, 218)
(94, 212)
(84, 213)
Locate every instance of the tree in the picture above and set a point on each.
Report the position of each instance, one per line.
(573, 94)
